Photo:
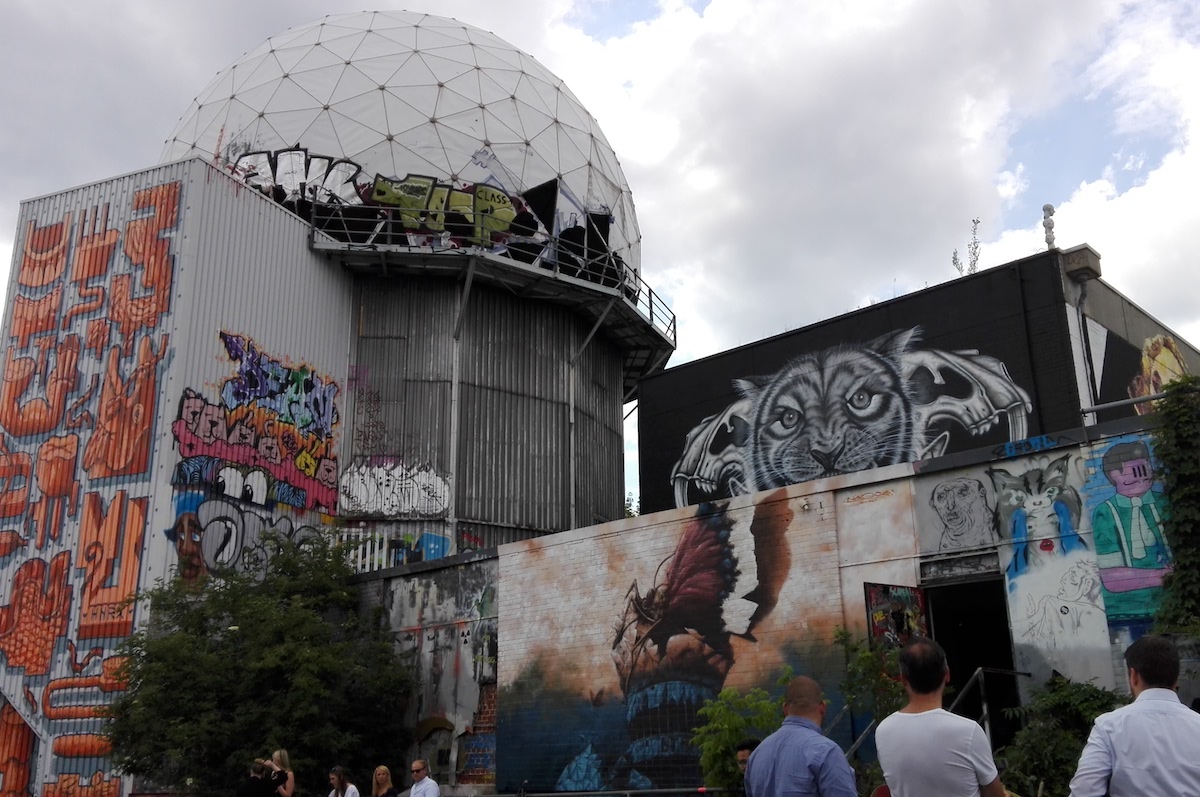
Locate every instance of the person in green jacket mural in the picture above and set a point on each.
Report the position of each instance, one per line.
(1130, 547)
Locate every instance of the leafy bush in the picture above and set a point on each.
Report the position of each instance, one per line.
(730, 718)
(871, 686)
(1177, 447)
(250, 661)
(1058, 718)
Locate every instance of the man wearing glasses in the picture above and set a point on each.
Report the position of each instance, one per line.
(423, 785)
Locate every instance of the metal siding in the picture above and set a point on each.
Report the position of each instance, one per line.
(98, 510)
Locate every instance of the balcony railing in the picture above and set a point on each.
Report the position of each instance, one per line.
(583, 257)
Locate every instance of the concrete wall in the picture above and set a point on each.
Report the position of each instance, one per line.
(610, 637)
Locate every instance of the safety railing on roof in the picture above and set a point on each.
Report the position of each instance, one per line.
(580, 255)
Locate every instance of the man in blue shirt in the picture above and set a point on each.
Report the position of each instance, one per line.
(1148, 748)
(797, 760)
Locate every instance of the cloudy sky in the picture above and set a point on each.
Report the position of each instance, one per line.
(789, 161)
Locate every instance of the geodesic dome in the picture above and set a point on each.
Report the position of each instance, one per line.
(417, 108)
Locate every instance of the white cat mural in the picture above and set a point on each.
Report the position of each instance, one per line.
(393, 490)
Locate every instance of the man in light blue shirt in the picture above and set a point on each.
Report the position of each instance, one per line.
(1150, 748)
(797, 760)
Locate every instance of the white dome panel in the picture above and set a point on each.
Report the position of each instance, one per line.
(457, 104)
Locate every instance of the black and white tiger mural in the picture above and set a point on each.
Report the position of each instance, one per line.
(846, 408)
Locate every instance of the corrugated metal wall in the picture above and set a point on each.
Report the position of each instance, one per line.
(511, 471)
(88, 337)
(119, 295)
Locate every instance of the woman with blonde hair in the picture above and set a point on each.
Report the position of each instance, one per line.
(381, 783)
(280, 757)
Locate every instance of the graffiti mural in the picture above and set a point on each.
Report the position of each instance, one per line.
(658, 619)
(393, 490)
(964, 514)
(1162, 363)
(85, 353)
(1127, 527)
(1038, 509)
(269, 440)
(895, 614)
(214, 533)
(846, 408)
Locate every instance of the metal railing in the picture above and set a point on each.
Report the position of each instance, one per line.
(375, 228)
(977, 677)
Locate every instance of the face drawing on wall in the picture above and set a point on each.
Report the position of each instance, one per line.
(1063, 616)
(1039, 511)
(967, 520)
(1162, 363)
(188, 535)
(1131, 548)
(842, 409)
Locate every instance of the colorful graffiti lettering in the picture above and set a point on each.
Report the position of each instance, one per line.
(270, 440)
(297, 396)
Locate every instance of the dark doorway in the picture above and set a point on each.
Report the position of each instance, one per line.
(970, 621)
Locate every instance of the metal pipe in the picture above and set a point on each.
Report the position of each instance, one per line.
(1122, 403)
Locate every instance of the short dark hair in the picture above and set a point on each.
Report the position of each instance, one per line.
(923, 665)
(1155, 659)
(1116, 457)
(746, 744)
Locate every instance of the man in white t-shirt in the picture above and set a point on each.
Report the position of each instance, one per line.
(423, 785)
(925, 750)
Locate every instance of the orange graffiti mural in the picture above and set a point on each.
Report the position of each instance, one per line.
(120, 445)
(146, 248)
(38, 415)
(74, 786)
(37, 613)
(35, 316)
(110, 549)
(15, 470)
(95, 247)
(44, 257)
(109, 680)
(16, 753)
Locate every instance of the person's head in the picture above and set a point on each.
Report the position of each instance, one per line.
(803, 698)
(280, 758)
(339, 779)
(381, 780)
(1127, 467)
(923, 666)
(1153, 663)
(258, 770)
(419, 770)
(743, 751)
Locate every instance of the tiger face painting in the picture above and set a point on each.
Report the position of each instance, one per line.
(838, 410)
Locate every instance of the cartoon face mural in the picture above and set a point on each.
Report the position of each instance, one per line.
(1127, 527)
(1039, 510)
(843, 409)
(85, 352)
(270, 440)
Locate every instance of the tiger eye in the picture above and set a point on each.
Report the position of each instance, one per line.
(789, 418)
(860, 400)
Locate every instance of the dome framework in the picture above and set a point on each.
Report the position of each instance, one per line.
(401, 108)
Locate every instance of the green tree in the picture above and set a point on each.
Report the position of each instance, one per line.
(1043, 755)
(250, 661)
(1177, 447)
(730, 718)
(871, 686)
